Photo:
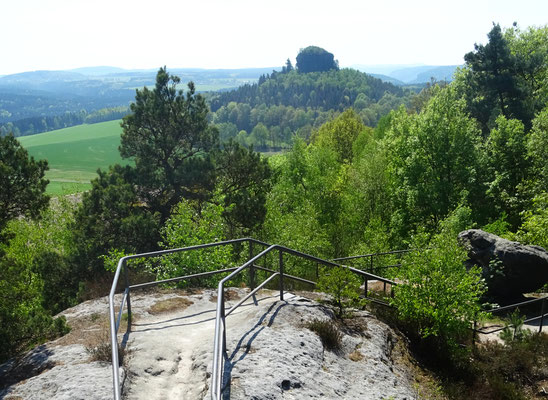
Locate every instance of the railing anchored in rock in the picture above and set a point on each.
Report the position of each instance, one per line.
(251, 266)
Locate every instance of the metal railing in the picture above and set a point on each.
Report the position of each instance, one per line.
(126, 298)
(222, 313)
(219, 342)
(515, 306)
(367, 263)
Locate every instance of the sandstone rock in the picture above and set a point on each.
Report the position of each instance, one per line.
(271, 353)
(509, 268)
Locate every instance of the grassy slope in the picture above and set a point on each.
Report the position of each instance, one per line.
(74, 154)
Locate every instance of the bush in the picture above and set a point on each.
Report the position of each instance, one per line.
(343, 285)
(328, 332)
(438, 296)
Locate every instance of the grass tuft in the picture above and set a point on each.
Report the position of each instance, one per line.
(328, 332)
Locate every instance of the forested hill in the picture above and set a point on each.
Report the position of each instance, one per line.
(335, 89)
(269, 112)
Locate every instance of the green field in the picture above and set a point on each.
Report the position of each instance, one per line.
(74, 154)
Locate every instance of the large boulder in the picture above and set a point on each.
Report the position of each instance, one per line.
(509, 268)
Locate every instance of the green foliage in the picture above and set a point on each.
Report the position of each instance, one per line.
(339, 134)
(496, 86)
(499, 227)
(315, 59)
(342, 285)
(292, 103)
(537, 147)
(534, 229)
(43, 248)
(111, 216)
(509, 167)
(434, 160)
(438, 296)
(243, 179)
(513, 329)
(187, 227)
(22, 182)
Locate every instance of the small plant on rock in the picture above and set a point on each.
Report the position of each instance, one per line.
(328, 332)
(343, 286)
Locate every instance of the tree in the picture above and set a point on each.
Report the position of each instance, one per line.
(537, 147)
(170, 140)
(434, 159)
(438, 297)
(111, 216)
(315, 59)
(493, 76)
(530, 49)
(243, 180)
(22, 182)
(340, 134)
(507, 159)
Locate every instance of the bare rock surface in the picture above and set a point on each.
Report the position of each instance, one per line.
(271, 353)
(279, 358)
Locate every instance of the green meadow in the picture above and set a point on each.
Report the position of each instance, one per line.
(74, 154)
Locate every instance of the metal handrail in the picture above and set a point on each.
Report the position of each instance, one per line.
(514, 306)
(126, 299)
(221, 312)
(219, 341)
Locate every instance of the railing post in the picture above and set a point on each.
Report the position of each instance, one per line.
(541, 315)
(128, 299)
(365, 284)
(223, 319)
(281, 275)
(474, 327)
(251, 268)
(371, 267)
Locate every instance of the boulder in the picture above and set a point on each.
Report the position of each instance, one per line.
(510, 268)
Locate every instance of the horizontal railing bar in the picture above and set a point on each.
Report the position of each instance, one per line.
(500, 329)
(332, 264)
(287, 276)
(229, 311)
(189, 248)
(510, 306)
(383, 303)
(180, 278)
(373, 254)
(534, 318)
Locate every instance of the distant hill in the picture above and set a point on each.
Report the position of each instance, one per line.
(267, 114)
(424, 73)
(98, 71)
(389, 79)
(27, 98)
(444, 73)
(409, 74)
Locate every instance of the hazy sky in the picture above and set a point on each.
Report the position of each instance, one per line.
(63, 34)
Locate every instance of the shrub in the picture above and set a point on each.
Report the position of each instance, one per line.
(342, 284)
(438, 296)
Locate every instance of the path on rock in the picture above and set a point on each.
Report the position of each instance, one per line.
(170, 350)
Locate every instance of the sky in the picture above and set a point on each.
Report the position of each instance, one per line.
(66, 34)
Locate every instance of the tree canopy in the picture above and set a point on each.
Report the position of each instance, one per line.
(22, 182)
